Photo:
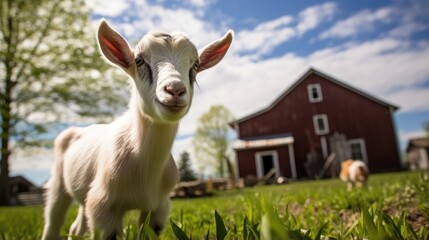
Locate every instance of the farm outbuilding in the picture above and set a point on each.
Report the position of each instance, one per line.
(316, 116)
(24, 192)
(418, 153)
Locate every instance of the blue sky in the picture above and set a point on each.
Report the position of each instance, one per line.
(381, 47)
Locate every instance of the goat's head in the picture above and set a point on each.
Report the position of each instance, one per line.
(163, 68)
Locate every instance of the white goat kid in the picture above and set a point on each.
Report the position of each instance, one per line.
(111, 168)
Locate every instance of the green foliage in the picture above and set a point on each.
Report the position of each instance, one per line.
(185, 171)
(300, 210)
(50, 72)
(211, 140)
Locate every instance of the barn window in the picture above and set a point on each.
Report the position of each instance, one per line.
(358, 150)
(320, 122)
(314, 93)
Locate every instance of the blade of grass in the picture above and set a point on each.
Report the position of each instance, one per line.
(220, 227)
(254, 231)
(367, 222)
(145, 231)
(127, 232)
(208, 234)
(178, 232)
(351, 228)
(390, 224)
(245, 223)
(321, 231)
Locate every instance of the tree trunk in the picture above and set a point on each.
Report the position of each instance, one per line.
(5, 152)
(4, 175)
(5, 109)
(5, 113)
(231, 173)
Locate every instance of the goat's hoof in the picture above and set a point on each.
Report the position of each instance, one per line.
(157, 229)
(112, 237)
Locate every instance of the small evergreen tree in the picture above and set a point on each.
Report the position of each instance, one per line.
(186, 173)
(426, 126)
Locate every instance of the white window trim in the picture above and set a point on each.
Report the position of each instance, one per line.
(259, 164)
(324, 145)
(361, 142)
(316, 126)
(310, 93)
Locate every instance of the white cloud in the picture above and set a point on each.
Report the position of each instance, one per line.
(31, 161)
(155, 17)
(312, 16)
(108, 8)
(379, 66)
(404, 19)
(264, 37)
(411, 99)
(408, 29)
(360, 22)
(200, 3)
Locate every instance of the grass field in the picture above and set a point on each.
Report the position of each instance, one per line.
(395, 206)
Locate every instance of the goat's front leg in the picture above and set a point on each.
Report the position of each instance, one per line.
(57, 204)
(79, 226)
(103, 216)
(158, 217)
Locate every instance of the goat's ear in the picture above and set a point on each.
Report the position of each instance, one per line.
(215, 51)
(114, 47)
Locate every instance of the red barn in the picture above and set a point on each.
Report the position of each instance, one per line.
(296, 133)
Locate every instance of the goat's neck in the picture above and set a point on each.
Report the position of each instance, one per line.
(152, 140)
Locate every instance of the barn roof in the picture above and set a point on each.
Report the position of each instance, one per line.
(22, 180)
(420, 142)
(326, 76)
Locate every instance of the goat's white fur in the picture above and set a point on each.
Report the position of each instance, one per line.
(111, 168)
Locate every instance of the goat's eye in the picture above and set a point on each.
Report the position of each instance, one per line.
(139, 61)
(193, 72)
(195, 67)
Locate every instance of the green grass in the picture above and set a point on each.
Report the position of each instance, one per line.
(395, 206)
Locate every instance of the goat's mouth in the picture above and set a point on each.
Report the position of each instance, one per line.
(172, 107)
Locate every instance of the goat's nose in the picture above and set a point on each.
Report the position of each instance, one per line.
(175, 90)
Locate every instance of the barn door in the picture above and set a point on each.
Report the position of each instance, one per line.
(265, 161)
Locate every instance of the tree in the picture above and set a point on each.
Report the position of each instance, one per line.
(426, 127)
(186, 173)
(50, 72)
(212, 138)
